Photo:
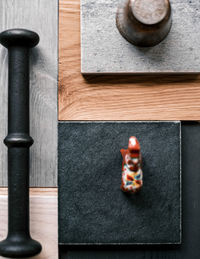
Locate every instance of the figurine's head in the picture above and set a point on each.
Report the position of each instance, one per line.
(134, 147)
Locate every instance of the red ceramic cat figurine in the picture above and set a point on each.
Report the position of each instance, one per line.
(131, 167)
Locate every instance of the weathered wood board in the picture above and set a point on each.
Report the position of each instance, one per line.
(43, 219)
(163, 97)
(40, 16)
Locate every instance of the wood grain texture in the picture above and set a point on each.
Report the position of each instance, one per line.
(111, 97)
(43, 219)
(40, 16)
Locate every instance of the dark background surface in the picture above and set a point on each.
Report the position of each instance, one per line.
(190, 248)
(93, 209)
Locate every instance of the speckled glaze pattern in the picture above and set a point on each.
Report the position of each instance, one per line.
(132, 175)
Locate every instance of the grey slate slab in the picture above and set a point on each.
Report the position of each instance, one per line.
(190, 213)
(93, 209)
(104, 50)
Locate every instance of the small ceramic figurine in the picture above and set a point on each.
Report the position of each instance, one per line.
(131, 167)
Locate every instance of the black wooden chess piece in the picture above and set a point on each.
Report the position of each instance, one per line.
(18, 243)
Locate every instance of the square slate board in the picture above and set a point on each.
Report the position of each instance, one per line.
(92, 208)
(104, 50)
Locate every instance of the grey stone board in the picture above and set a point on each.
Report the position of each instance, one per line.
(104, 50)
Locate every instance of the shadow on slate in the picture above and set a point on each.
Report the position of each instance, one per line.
(93, 209)
(189, 249)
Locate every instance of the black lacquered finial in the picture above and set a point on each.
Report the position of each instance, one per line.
(19, 37)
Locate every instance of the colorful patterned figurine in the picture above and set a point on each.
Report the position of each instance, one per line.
(131, 167)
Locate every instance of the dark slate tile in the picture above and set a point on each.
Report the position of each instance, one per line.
(93, 209)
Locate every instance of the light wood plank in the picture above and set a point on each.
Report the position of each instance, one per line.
(43, 220)
(40, 16)
(161, 97)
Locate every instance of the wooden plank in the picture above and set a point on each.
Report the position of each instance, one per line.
(40, 16)
(43, 219)
(161, 97)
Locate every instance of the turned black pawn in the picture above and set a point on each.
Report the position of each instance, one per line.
(18, 243)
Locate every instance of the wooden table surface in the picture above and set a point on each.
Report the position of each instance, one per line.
(161, 97)
(155, 97)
